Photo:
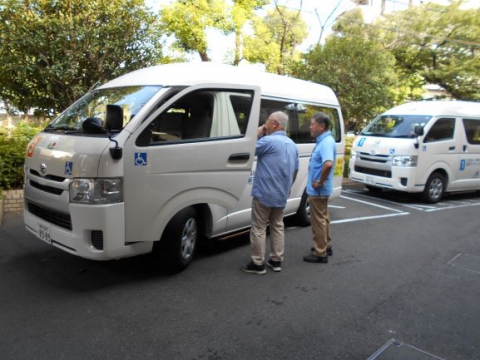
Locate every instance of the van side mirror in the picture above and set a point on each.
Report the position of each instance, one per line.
(418, 130)
(114, 117)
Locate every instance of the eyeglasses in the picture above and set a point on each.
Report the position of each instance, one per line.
(271, 120)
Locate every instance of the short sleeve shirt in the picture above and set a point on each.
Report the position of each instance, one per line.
(325, 150)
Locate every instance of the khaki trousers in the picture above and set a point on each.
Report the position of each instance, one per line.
(320, 219)
(261, 216)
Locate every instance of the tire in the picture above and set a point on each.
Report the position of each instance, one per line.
(374, 189)
(179, 241)
(302, 217)
(434, 188)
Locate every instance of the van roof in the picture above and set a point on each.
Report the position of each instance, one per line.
(437, 108)
(187, 74)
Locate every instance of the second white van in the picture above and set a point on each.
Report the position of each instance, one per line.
(428, 147)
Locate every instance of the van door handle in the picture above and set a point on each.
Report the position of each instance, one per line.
(239, 156)
(464, 148)
(451, 148)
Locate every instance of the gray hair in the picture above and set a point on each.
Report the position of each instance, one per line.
(281, 118)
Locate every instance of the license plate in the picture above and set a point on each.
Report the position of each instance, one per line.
(43, 232)
(369, 180)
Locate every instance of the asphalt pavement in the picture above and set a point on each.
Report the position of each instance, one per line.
(403, 283)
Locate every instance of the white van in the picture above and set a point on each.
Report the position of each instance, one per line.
(165, 155)
(428, 147)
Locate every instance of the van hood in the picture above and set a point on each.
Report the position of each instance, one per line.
(64, 156)
(373, 145)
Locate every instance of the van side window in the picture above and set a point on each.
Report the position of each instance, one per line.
(472, 131)
(305, 113)
(299, 116)
(443, 129)
(200, 116)
(268, 106)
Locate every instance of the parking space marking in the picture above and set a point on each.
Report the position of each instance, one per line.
(368, 218)
(395, 211)
(371, 204)
(453, 207)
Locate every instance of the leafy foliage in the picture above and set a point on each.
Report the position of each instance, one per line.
(440, 44)
(188, 21)
(275, 40)
(13, 145)
(357, 68)
(54, 51)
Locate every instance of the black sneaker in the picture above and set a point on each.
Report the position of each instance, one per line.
(316, 259)
(251, 268)
(275, 265)
(329, 251)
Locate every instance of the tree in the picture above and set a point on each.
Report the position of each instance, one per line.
(275, 39)
(54, 51)
(354, 64)
(439, 43)
(242, 12)
(188, 21)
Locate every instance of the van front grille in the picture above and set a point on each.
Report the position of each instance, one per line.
(46, 188)
(54, 217)
(48, 177)
(368, 171)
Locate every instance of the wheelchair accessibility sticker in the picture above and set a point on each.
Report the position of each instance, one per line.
(68, 167)
(140, 159)
(462, 165)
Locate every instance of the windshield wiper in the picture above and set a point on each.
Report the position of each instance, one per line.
(65, 128)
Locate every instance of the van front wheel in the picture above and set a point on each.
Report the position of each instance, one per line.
(179, 240)
(434, 188)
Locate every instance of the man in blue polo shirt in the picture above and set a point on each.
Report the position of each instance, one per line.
(320, 187)
(277, 167)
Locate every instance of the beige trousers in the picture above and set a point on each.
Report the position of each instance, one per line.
(320, 218)
(261, 216)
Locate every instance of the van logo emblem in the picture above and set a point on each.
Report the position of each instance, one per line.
(373, 152)
(43, 169)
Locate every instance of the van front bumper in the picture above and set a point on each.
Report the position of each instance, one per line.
(95, 232)
(401, 179)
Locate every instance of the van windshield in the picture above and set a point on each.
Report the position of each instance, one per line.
(94, 105)
(395, 126)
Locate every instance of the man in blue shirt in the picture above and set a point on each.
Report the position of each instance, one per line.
(320, 187)
(277, 167)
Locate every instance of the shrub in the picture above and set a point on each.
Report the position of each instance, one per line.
(348, 151)
(13, 144)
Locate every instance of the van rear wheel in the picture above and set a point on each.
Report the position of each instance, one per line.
(434, 188)
(302, 217)
(179, 240)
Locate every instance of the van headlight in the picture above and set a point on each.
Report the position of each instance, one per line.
(96, 191)
(404, 160)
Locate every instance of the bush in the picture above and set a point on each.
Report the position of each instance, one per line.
(13, 145)
(348, 151)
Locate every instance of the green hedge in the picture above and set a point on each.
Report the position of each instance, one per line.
(348, 151)
(13, 145)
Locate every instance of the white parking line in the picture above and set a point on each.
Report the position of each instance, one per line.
(368, 218)
(453, 207)
(396, 212)
(370, 203)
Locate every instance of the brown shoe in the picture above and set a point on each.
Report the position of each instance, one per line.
(316, 259)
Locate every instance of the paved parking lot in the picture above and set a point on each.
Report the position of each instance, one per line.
(403, 283)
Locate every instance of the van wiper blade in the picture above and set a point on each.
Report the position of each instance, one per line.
(66, 129)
